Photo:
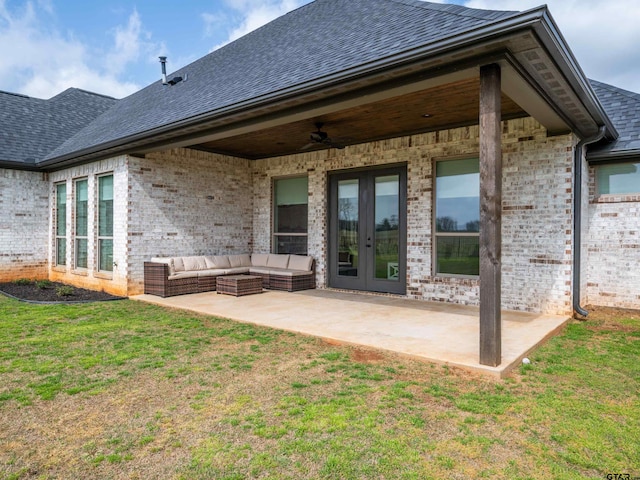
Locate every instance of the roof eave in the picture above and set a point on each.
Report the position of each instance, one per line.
(17, 165)
(550, 35)
(537, 19)
(596, 157)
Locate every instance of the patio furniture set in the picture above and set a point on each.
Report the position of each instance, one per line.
(237, 275)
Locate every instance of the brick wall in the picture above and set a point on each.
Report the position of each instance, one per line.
(613, 248)
(186, 202)
(24, 204)
(113, 282)
(536, 210)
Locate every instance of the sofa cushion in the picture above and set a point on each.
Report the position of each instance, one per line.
(300, 262)
(289, 273)
(212, 272)
(194, 263)
(236, 271)
(278, 260)
(243, 260)
(263, 270)
(178, 264)
(259, 259)
(217, 262)
(179, 275)
(166, 260)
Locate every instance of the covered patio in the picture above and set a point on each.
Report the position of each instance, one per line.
(445, 334)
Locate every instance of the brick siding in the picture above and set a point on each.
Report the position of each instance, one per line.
(612, 245)
(24, 224)
(186, 202)
(536, 210)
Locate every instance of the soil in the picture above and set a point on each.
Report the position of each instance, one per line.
(34, 292)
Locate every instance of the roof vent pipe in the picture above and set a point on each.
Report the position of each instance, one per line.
(163, 62)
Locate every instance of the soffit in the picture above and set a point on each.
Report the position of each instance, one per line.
(450, 105)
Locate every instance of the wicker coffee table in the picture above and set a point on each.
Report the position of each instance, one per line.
(239, 285)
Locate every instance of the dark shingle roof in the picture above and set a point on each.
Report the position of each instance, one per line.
(37, 126)
(318, 40)
(623, 107)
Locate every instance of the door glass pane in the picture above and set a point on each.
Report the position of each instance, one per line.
(348, 191)
(387, 214)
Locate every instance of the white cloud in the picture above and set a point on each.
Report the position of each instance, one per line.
(43, 62)
(250, 15)
(602, 34)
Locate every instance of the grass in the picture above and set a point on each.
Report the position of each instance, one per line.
(129, 390)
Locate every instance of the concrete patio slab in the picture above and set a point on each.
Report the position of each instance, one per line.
(435, 332)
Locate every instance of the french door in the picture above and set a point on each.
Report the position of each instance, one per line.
(368, 230)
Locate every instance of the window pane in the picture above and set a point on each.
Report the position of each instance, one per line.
(458, 196)
(458, 255)
(82, 209)
(61, 251)
(81, 253)
(620, 178)
(61, 210)
(348, 211)
(105, 206)
(296, 245)
(106, 254)
(291, 199)
(387, 214)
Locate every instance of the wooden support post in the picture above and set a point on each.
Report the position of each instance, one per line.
(490, 216)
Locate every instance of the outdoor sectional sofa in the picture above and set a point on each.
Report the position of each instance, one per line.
(169, 276)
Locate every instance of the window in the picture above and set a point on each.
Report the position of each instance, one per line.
(105, 223)
(61, 224)
(290, 215)
(618, 178)
(81, 223)
(457, 217)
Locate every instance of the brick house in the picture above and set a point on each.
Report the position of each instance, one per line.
(354, 131)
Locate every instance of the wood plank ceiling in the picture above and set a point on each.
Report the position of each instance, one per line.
(446, 106)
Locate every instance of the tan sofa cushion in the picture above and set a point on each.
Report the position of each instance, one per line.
(300, 262)
(217, 261)
(278, 260)
(263, 270)
(167, 260)
(236, 271)
(289, 273)
(243, 260)
(190, 274)
(259, 259)
(178, 264)
(194, 263)
(212, 272)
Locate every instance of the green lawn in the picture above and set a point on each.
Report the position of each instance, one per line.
(129, 390)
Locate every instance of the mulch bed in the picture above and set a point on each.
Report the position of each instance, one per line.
(32, 292)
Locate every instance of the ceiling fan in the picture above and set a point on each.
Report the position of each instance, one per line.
(321, 138)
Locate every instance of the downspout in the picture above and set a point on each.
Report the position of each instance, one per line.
(577, 217)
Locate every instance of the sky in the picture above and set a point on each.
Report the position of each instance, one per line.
(112, 47)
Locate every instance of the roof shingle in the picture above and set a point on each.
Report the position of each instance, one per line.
(317, 40)
(623, 107)
(38, 126)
